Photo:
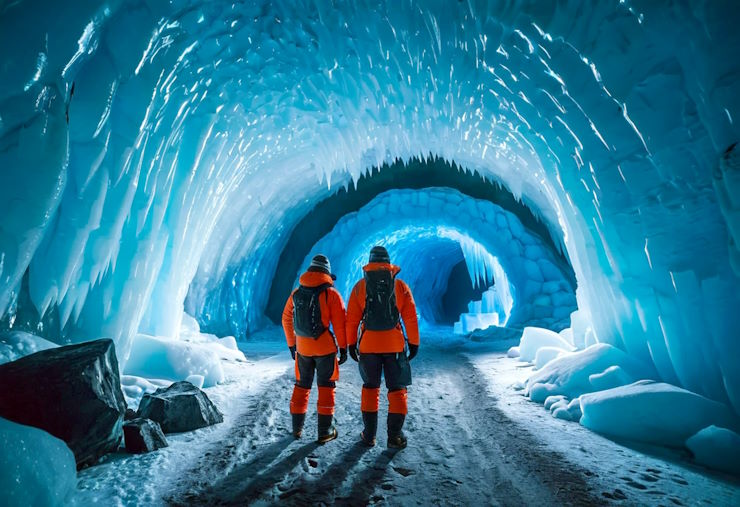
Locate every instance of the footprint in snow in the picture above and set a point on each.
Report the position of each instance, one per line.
(617, 494)
(403, 471)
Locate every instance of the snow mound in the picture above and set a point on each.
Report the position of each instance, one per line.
(534, 338)
(717, 448)
(545, 355)
(652, 412)
(225, 347)
(155, 357)
(584, 371)
(134, 388)
(195, 356)
(37, 468)
(16, 344)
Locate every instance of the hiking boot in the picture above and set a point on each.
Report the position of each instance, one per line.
(370, 419)
(327, 431)
(397, 441)
(298, 420)
(396, 438)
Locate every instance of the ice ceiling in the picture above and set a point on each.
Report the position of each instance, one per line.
(149, 149)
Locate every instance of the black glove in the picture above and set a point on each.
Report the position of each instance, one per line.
(292, 351)
(353, 352)
(413, 350)
(342, 356)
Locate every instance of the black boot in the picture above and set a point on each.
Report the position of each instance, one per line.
(371, 427)
(298, 420)
(327, 431)
(396, 438)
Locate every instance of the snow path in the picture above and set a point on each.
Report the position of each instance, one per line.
(463, 450)
(473, 440)
(625, 473)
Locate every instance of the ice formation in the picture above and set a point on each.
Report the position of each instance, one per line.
(16, 344)
(37, 468)
(717, 448)
(151, 151)
(427, 232)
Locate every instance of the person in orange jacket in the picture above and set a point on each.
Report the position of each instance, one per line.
(376, 306)
(306, 317)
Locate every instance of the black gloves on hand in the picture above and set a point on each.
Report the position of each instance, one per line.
(353, 352)
(292, 351)
(342, 356)
(413, 350)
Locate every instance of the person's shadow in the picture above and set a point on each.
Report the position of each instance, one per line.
(322, 489)
(248, 482)
(366, 481)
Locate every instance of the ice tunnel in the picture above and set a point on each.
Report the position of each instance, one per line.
(191, 156)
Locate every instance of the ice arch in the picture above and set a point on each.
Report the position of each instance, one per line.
(138, 139)
(413, 224)
(412, 174)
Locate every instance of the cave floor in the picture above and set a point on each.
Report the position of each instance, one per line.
(473, 440)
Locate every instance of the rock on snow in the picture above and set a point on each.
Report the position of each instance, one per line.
(73, 392)
(180, 407)
(143, 435)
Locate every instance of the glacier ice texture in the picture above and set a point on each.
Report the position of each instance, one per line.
(37, 468)
(153, 151)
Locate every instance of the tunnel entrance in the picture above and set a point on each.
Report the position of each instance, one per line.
(512, 273)
(416, 174)
(459, 293)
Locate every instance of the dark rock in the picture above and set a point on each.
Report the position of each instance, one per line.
(130, 415)
(73, 392)
(143, 435)
(180, 407)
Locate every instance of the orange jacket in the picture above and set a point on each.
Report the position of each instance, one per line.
(332, 310)
(382, 342)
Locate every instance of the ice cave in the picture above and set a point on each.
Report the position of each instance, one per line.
(558, 182)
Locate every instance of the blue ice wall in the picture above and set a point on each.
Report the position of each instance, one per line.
(428, 232)
(147, 148)
(424, 232)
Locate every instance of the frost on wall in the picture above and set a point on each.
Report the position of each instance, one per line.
(148, 148)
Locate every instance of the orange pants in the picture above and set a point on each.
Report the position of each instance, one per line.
(326, 370)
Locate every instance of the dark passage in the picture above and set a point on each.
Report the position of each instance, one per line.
(459, 292)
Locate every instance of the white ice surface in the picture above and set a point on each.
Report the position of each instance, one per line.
(192, 353)
(36, 469)
(534, 338)
(652, 412)
(571, 374)
(16, 344)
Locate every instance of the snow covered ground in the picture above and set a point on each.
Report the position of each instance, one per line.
(473, 440)
(125, 479)
(634, 474)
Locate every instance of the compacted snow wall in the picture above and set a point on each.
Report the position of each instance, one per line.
(147, 148)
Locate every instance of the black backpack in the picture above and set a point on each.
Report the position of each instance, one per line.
(381, 312)
(307, 311)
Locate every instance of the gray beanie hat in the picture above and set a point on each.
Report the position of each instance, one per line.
(320, 263)
(379, 254)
